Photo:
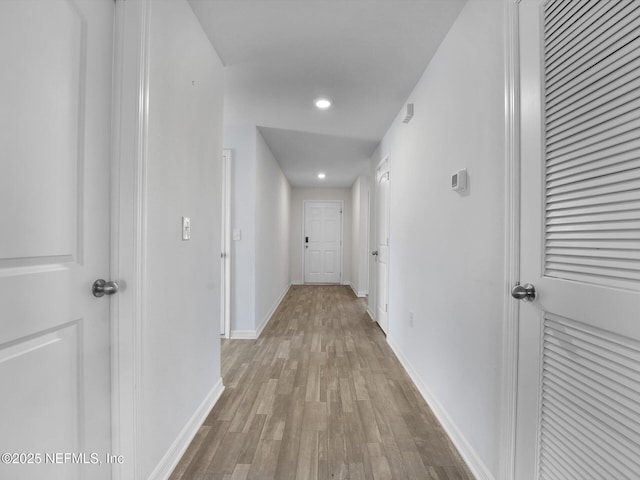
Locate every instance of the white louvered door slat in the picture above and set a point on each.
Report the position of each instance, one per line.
(595, 36)
(569, 138)
(592, 170)
(556, 31)
(579, 344)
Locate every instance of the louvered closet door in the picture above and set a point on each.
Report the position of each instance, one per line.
(579, 342)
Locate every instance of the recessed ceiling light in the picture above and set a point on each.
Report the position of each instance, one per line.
(323, 103)
(321, 176)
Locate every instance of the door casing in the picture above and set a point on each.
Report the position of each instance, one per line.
(128, 225)
(385, 167)
(225, 281)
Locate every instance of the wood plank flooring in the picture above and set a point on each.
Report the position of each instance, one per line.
(319, 395)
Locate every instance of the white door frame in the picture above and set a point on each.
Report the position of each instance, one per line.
(511, 310)
(386, 159)
(304, 257)
(225, 270)
(128, 226)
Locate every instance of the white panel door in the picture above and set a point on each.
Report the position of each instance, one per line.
(55, 92)
(322, 242)
(382, 246)
(579, 345)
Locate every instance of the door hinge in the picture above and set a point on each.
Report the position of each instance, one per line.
(386, 307)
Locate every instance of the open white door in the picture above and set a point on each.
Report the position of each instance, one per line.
(225, 255)
(55, 92)
(382, 245)
(579, 340)
(322, 241)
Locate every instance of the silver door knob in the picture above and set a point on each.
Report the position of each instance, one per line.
(102, 287)
(374, 253)
(526, 292)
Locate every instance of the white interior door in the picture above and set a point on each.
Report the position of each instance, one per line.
(55, 92)
(322, 242)
(382, 245)
(579, 346)
(225, 256)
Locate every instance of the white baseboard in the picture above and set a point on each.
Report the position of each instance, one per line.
(468, 454)
(370, 313)
(242, 335)
(356, 292)
(174, 454)
(269, 315)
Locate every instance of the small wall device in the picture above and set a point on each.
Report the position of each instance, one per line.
(407, 118)
(459, 181)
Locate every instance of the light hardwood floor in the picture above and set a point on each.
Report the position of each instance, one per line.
(319, 395)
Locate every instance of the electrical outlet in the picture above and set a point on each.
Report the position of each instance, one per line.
(411, 319)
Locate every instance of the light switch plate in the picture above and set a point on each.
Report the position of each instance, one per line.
(237, 234)
(186, 228)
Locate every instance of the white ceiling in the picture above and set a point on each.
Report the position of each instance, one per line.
(365, 55)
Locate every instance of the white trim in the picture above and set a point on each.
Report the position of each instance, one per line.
(370, 313)
(171, 458)
(254, 334)
(509, 361)
(225, 260)
(243, 335)
(367, 237)
(304, 256)
(267, 318)
(386, 159)
(129, 191)
(356, 292)
(468, 454)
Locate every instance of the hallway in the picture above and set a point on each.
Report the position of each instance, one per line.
(319, 395)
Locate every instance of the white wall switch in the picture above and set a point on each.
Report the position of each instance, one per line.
(186, 228)
(237, 234)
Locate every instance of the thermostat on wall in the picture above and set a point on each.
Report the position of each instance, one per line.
(459, 180)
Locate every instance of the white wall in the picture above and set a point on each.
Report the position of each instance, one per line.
(298, 196)
(446, 249)
(360, 236)
(273, 206)
(261, 205)
(180, 327)
(242, 142)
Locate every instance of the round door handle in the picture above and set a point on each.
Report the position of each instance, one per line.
(102, 287)
(526, 292)
(374, 253)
